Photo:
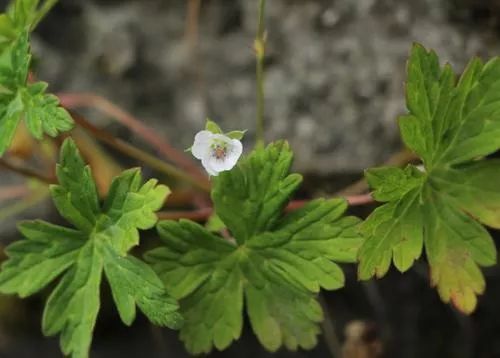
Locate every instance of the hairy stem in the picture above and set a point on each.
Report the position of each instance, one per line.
(260, 53)
(139, 154)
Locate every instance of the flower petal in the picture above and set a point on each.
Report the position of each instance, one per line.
(207, 164)
(221, 138)
(203, 149)
(201, 145)
(234, 153)
(218, 165)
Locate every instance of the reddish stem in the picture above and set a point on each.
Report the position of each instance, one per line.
(13, 192)
(139, 154)
(75, 100)
(204, 214)
(26, 172)
(353, 200)
(196, 215)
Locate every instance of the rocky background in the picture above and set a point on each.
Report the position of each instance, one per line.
(334, 89)
(335, 69)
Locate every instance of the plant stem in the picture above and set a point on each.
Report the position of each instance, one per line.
(43, 11)
(204, 213)
(260, 53)
(195, 215)
(26, 172)
(74, 100)
(36, 196)
(329, 333)
(192, 23)
(13, 192)
(352, 200)
(138, 154)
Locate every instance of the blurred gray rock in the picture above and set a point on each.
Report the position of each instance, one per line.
(335, 69)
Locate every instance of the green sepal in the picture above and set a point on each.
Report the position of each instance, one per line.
(236, 134)
(211, 126)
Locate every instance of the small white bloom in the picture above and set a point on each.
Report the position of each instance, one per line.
(421, 167)
(217, 152)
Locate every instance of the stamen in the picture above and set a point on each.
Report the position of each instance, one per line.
(219, 152)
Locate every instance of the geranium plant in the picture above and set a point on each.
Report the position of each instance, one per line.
(261, 253)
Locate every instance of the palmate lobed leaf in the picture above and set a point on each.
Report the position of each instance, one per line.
(18, 99)
(99, 245)
(252, 196)
(452, 126)
(275, 270)
(20, 15)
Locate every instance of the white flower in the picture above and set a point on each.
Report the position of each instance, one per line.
(217, 152)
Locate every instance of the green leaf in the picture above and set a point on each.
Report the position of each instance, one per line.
(42, 112)
(99, 244)
(76, 195)
(26, 14)
(23, 13)
(393, 231)
(281, 315)
(391, 183)
(15, 60)
(73, 306)
(250, 198)
(19, 20)
(7, 30)
(454, 259)
(190, 257)
(213, 312)
(34, 263)
(9, 119)
(200, 268)
(135, 283)
(474, 189)
(277, 269)
(131, 205)
(452, 125)
(446, 114)
(14, 64)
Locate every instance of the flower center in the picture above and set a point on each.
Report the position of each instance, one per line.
(219, 152)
